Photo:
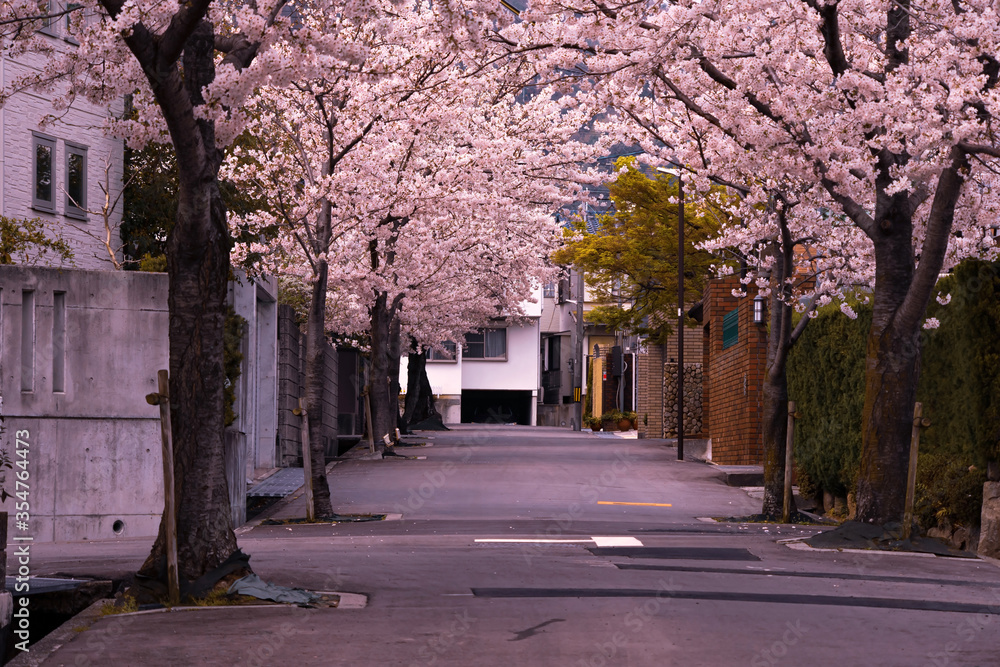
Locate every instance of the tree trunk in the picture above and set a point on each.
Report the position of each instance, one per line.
(314, 380)
(891, 372)
(383, 414)
(395, 352)
(775, 433)
(775, 418)
(198, 271)
(419, 405)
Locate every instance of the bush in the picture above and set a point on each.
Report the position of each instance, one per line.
(826, 378)
(959, 387)
(948, 489)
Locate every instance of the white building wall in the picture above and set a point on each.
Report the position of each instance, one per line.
(519, 371)
(82, 124)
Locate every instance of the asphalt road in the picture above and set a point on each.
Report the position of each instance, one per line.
(630, 572)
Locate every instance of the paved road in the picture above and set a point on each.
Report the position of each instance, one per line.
(645, 583)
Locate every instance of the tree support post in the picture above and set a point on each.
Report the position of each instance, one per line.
(306, 460)
(786, 512)
(162, 399)
(919, 421)
(368, 419)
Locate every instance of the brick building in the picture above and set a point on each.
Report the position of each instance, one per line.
(735, 353)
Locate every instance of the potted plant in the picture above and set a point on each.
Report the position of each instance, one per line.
(633, 420)
(594, 423)
(610, 420)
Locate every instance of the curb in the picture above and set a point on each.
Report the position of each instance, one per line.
(52, 642)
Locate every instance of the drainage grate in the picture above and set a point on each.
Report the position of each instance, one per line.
(278, 485)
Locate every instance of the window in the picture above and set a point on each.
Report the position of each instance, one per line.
(449, 353)
(43, 149)
(731, 328)
(68, 27)
(552, 353)
(76, 180)
(549, 291)
(49, 25)
(486, 344)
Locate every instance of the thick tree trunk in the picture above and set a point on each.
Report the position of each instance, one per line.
(891, 371)
(198, 270)
(383, 412)
(315, 377)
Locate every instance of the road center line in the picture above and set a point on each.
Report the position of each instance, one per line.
(612, 502)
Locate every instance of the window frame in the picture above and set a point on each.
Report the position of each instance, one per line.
(50, 26)
(731, 328)
(448, 345)
(469, 355)
(39, 139)
(71, 209)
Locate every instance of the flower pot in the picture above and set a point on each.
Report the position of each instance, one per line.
(624, 424)
(609, 425)
(595, 426)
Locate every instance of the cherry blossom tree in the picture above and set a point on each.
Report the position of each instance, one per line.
(189, 67)
(880, 113)
(420, 175)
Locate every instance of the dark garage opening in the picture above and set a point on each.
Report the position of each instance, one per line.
(495, 406)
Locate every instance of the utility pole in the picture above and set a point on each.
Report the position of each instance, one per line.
(680, 316)
(579, 353)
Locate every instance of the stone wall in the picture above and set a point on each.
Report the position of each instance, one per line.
(693, 378)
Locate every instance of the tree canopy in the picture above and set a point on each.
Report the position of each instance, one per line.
(630, 258)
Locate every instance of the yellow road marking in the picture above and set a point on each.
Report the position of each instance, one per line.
(611, 502)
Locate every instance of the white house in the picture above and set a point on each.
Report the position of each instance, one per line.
(53, 172)
(495, 377)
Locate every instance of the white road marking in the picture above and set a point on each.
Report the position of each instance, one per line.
(601, 541)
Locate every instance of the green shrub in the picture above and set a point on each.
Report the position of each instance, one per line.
(948, 488)
(826, 379)
(959, 387)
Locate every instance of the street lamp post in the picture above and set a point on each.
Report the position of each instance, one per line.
(680, 317)
(579, 352)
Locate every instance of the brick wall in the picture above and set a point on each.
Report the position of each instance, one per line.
(733, 393)
(650, 404)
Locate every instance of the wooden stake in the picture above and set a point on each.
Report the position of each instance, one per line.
(368, 420)
(786, 513)
(169, 508)
(307, 461)
(911, 473)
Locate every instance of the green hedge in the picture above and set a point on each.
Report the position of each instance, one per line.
(959, 387)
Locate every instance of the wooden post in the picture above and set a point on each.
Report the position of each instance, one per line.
(306, 460)
(368, 420)
(911, 474)
(786, 512)
(162, 399)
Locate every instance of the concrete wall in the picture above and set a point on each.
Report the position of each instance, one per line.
(95, 445)
(733, 390)
(95, 467)
(82, 125)
(251, 444)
